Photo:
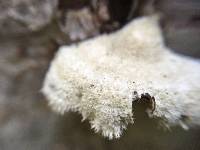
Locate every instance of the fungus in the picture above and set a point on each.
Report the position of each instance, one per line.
(97, 78)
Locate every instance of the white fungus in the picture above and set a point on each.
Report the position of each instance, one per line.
(97, 78)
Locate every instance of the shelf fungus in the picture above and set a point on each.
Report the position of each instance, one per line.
(101, 78)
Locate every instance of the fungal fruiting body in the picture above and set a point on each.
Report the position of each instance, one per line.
(97, 78)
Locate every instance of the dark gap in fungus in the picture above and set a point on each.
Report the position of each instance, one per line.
(144, 105)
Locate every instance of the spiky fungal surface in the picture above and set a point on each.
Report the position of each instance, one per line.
(98, 78)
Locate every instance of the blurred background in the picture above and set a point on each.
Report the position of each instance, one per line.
(31, 31)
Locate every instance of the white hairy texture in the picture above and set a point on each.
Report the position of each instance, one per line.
(97, 77)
